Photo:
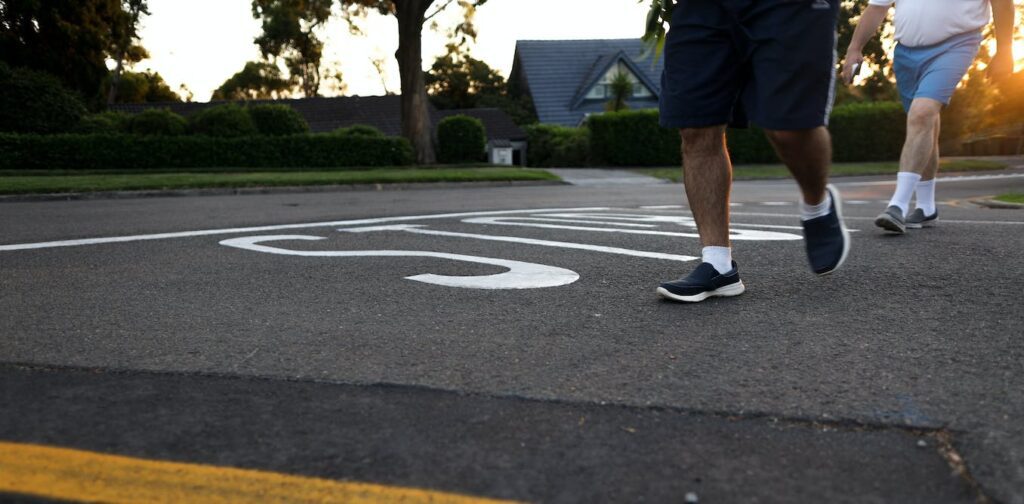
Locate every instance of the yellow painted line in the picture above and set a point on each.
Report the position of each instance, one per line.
(76, 475)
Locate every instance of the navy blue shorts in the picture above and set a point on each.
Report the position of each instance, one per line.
(770, 62)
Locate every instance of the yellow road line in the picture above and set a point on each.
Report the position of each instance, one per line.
(62, 473)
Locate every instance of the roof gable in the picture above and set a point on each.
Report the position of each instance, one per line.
(558, 72)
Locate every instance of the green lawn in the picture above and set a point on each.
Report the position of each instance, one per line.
(1011, 198)
(24, 182)
(769, 171)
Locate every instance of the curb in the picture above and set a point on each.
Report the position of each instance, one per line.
(242, 191)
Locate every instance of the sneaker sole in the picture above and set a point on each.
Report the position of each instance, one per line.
(728, 291)
(837, 199)
(922, 225)
(888, 223)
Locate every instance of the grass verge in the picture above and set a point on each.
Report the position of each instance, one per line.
(35, 182)
(771, 171)
(1011, 198)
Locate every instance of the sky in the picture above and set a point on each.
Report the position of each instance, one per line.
(201, 43)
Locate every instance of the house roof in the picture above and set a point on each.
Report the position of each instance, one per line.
(560, 73)
(329, 114)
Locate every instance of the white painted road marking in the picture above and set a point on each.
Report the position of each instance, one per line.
(418, 229)
(941, 180)
(734, 234)
(520, 275)
(260, 229)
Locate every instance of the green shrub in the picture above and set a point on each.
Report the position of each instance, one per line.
(359, 130)
(276, 120)
(558, 146)
(868, 131)
(632, 138)
(70, 152)
(461, 139)
(225, 121)
(160, 122)
(34, 102)
(103, 123)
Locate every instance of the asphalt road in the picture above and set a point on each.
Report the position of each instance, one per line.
(506, 342)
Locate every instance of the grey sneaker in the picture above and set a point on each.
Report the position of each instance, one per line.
(892, 220)
(917, 219)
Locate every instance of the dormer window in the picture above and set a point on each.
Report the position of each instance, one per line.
(603, 89)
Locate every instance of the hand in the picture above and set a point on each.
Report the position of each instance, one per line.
(851, 66)
(1000, 67)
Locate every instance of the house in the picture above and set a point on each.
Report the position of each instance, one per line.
(570, 79)
(382, 112)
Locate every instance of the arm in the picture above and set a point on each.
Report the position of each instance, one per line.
(870, 20)
(1003, 17)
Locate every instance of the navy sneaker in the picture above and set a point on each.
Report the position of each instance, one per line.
(826, 237)
(917, 219)
(704, 282)
(892, 220)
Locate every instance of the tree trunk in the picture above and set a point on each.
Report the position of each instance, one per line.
(415, 113)
(115, 80)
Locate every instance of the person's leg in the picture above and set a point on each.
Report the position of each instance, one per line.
(807, 154)
(707, 177)
(919, 150)
(925, 190)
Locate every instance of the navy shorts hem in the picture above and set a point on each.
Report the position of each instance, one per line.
(683, 122)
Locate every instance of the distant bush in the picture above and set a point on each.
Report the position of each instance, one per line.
(868, 131)
(160, 122)
(72, 151)
(108, 123)
(553, 146)
(276, 120)
(34, 102)
(461, 139)
(359, 130)
(226, 121)
(632, 138)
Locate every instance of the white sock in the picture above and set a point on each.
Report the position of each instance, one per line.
(808, 212)
(906, 182)
(926, 197)
(719, 257)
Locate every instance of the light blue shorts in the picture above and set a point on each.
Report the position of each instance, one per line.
(934, 71)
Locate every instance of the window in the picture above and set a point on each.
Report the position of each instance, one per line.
(603, 89)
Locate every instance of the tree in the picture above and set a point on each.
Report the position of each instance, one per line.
(70, 40)
(143, 87)
(411, 15)
(457, 80)
(123, 45)
(622, 89)
(257, 80)
(289, 33)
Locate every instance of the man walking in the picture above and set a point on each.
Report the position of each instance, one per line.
(937, 43)
(772, 61)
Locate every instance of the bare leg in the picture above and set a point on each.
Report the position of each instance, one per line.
(807, 154)
(920, 150)
(708, 178)
(932, 169)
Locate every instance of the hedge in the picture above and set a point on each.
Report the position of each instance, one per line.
(553, 146)
(359, 130)
(229, 121)
(71, 151)
(159, 122)
(461, 139)
(277, 119)
(35, 102)
(860, 132)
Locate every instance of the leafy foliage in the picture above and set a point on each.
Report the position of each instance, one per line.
(103, 123)
(621, 89)
(289, 33)
(35, 102)
(257, 80)
(90, 152)
(143, 87)
(228, 120)
(458, 81)
(461, 139)
(157, 122)
(359, 130)
(558, 146)
(277, 120)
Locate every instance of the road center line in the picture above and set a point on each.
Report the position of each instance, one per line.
(260, 229)
(76, 475)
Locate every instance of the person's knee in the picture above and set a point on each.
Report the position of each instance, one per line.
(703, 141)
(923, 117)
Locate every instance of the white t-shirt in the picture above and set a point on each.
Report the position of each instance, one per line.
(927, 22)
